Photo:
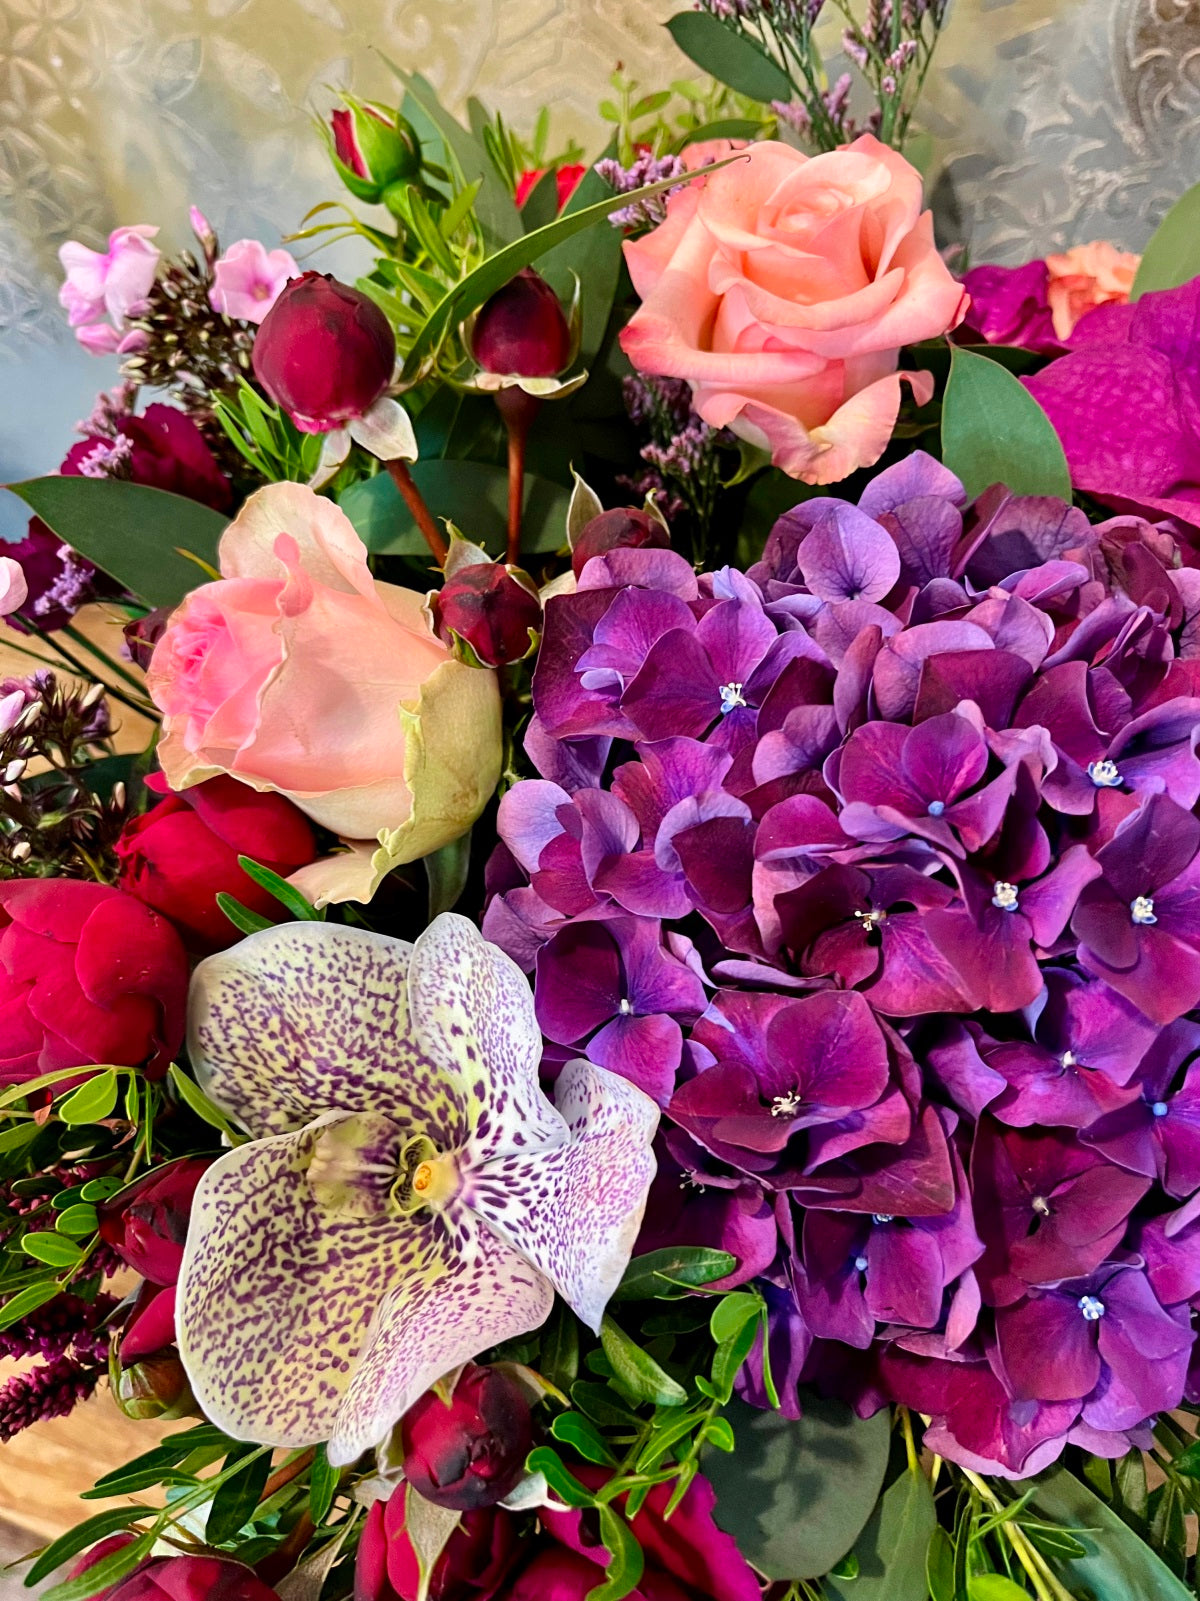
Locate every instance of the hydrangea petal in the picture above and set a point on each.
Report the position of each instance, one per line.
(296, 1020)
(289, 1287)
(472, 1011)
(575, 1212)
(427, 1326)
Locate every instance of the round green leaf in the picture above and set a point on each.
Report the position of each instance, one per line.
(92, 1102)
(893, 1548)
(796, 1495)
(994, 432)
(1173, 255)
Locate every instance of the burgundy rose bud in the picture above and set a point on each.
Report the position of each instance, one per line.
(177, 856)
(372, 149)
(150, 1326)
(146, 1225)
(491, 609)
(192, 1578)
(471, 1453)
(97, 1553)
(522, 330)
(475, 1563)
(324, 352)
(87, 974)
(143, 633)
(623, 526)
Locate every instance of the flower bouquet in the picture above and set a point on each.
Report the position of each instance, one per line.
(635, 1030)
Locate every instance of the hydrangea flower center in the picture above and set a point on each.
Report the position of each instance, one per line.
(1105, 774)
(883, 1217)
(870, 920)
(1004, 896)
(1068, 1059)
(731, 697)
(786, 1105)
(1141, 909)
(936, 808)
(1041, 1206)
(860, 1263)
(1092, 1308)
(1159, 1108)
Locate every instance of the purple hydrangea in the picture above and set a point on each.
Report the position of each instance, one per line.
(879, 867)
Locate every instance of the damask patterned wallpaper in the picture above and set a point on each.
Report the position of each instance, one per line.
(1055, 121)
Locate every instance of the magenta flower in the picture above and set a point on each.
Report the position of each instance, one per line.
(247, 279)
(1157, 1133)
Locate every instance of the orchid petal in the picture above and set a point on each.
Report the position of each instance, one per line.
(575, 1212)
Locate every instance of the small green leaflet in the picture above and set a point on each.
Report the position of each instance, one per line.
(91, 1102)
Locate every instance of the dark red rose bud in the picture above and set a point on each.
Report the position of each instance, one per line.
(374, 149)
(522, 330)
(623, 526)
(150, 1326)
(324, 352)
(471, 1453)
(146, 1225)
(177, 856)
(143, 633)
(491, 610)
(476, 1562)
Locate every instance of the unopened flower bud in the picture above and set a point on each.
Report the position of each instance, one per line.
(492, 609)
(521, 330)
(373, 149)
(324, 352)
(469, 1453)
(623, 526)
(155, 1387)
(143, 633)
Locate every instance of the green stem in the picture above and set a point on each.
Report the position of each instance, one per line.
(1046, 1586)
(88, 674)
(102, 655)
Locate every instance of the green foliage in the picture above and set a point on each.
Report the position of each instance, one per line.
(266, 436)
(994, 432)
(731, 57)
(665, 1274)
(797, 1495)
(1172, 257)
(473, 495)
(157, 545)
(891, 1552)
(447, 870)
(1116, 1564)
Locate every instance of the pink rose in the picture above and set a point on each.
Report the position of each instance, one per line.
(112, 284)
(782, 289)
(297, 672)
(1085, 277)
(247, 280)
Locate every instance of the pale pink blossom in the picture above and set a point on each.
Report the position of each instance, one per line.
(111, 284)
(14, 591)
(247, 279)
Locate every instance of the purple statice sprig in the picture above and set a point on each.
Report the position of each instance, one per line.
(683, 454)
(646, 169)
(70, 1335)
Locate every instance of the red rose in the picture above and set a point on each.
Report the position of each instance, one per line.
(472, 1452)
(324, 352)
(522, 330)
(87, 975)
(492, 610)
(192, 1579)
(167, 451)
(623, 526)
(478, 1557)
(146, 1225)
(150, 1326)
(567, 179)
(177, 856)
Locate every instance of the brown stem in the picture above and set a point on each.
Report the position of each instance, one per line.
(285, 1474)
(518, 410)
(421, 513)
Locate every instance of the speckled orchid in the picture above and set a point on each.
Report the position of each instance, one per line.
(410, 1196)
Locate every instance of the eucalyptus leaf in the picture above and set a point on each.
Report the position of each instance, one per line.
(1118, 1566)
(471, 494)
(133, 533)
(1172, 257)
(892, 1550)
(729, 57)
(994, 432)
(796, 1495)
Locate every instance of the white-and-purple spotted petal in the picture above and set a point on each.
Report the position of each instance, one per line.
(424, 1330)
(277, 1293)
(472, 1014)
(574, 1212)
(306, 1018)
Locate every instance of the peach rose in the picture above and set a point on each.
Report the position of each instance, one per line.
(1085, 277)
(782, 288)
(297, 672)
